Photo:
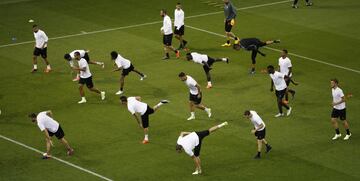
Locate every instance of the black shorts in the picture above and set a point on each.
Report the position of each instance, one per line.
(42, 52)
(167, 39)
(339, 114)
(86, 57)
(201, 135)
(280, 94)
(288, 81)
(88, 81)
(228, 26)
(59, 133)
(209, 62)
(180, 31)
(145, 117)
(195, 99)
(126, 72)
(260, 134)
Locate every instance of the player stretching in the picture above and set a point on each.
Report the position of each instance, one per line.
(259, 131)
(85, 78)
(285, 67)
(206, 61)
(230, 14)
(135, 106)
(50, 127)
(189, 141)
(126, 66)
(41, 41)
(195, 95)
(339, 109)
(179, 26)
(253, 45)
(166, 31)
(70, 57)
(278, 79)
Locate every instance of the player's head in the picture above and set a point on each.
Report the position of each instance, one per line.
(67, 57)
(77, 55)
(226, 1)
(182, 76)
(284, 53)
(178, 6)
(334, 82)
(163, 13)
(114, 55)
(188, 56)
(32, 116)
(178, 148)
(270, 69)
(247, 114)
(237, 46)
(35, 28)
(123, 100)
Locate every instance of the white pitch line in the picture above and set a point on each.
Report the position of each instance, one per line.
(277, 50)
(13, 2)
(138, 25)
(55, 158)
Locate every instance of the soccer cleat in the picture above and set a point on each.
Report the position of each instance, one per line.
(164, 101)
(237, 41)
(82, 101)
(46, 156)
(102, 94)
(279, 115)
(294, 6)
(70, 152)
(33, 70)
(191, 118)
(276, 41)
(289, 111)
(337, 136)
(257, 156)
(347, 136)
(119, 92)
(209, 86)
(165, 58)
(226, 45)
(143, 77)
(252, 72)
(268, 148)
(208, 111)
(177, 54)
(309, 4)
(145, 142)
(47, 70)
(197, 172)
(102, 64)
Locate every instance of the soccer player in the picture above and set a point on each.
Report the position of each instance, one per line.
(230, 14)
(126, 66)
(189, 141)
(278, 79)
(83, 54)
(50, 127)
(308, 3)
(135, 107)
(253, 45)
(207, 62)
(41, 41)
(179, 25)
(285, 67)
(259, 131)
(85, 78)
(339, 109)
(195, 95)
(167, 32)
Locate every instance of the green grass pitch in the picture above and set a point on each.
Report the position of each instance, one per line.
(106, 137)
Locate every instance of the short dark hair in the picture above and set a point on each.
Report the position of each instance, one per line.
(67, 57)
(32, 115)
(164, 11)
(188, 55)
(247, 113)
(270, 67)
(35, 25)
(123, 99)
(178, 3)
(335, 80)
(182, 74)
(77, 53)
(114, 55)
(178, 147)
(284, 50)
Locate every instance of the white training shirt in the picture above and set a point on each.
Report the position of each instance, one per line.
(199, 58)
(285, 64)
(82, 53)
(40, 39)
(337, 94)
(279, 81)
(191, 83)
(179, 18)
(135, 106)
(167, 27)
(83, 64)
(46, 122)
(257, 121)
(121, 62)
(189, 142)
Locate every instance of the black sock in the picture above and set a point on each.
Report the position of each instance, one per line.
(236, 38)
(347, 131)
(121, 89)
(228, 41)
(337, 131)
(184, 41)
(252, 69)
(167, 55)
(258, 153)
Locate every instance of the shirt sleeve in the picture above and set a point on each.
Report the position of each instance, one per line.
(118, 64)
(46, 39)
(167, 25)
(289, 63)
(131, 110)
(341, 93)
(189, 152)
(41, 126)
(281, 75)
(82, 65)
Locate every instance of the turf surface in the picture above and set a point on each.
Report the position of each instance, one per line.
(105, 135)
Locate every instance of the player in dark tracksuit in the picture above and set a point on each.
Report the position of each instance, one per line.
(253, 45)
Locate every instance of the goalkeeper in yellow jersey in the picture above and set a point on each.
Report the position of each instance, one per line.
(230, 14)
